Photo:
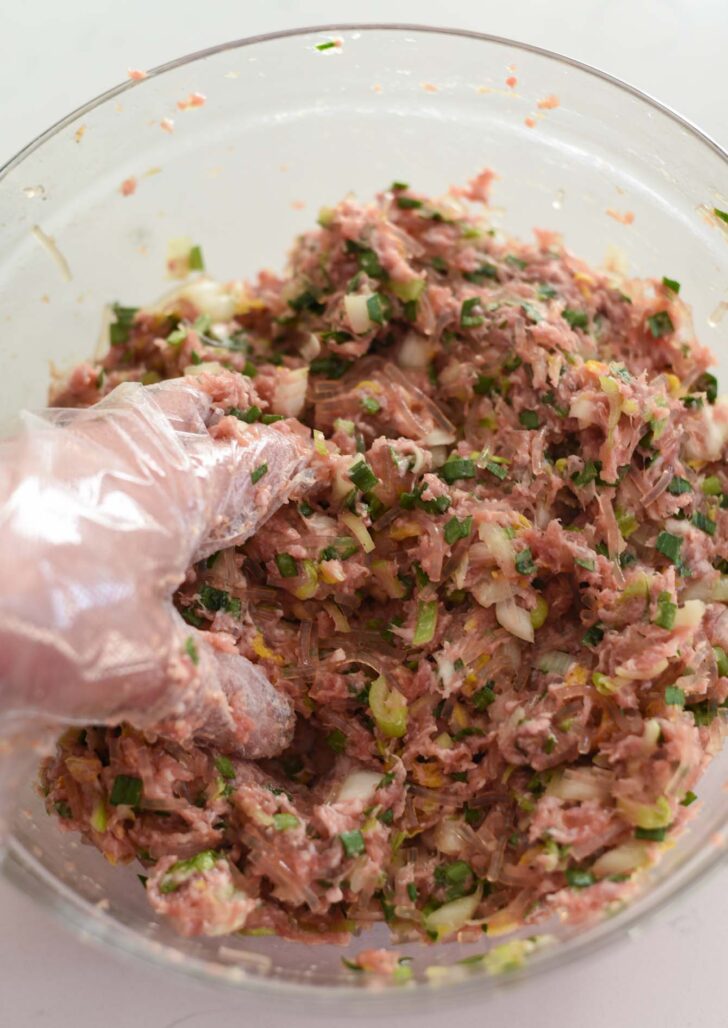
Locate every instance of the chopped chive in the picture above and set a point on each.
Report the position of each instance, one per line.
(286, 565)
(529, 419)
(328, 45)
(533, 314)
(723, 215)
(467, 318)
(120, 329)
(660, 324)
(586, 563)
(546, 291)
(412, 891)
(516, 262)
(670, 283)
(191, 649)
(688, 798)
(126, 791)
(262, 469)
(353, 842)
(270, 419)
(455, 530)
(178, 336)
(408, 203)
(397, 187)
(195, 358)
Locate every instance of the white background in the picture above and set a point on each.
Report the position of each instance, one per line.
(55, 56)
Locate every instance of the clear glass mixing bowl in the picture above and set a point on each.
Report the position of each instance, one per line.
(285, 128)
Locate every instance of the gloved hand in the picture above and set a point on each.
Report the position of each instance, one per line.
(102, 511)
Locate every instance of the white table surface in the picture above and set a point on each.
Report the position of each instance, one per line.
(55, 56)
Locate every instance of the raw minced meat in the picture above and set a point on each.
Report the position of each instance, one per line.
(498, 612)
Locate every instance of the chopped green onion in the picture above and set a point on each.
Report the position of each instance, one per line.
(660, 324)
(651, 834)
(587, 564)
(485, 385)
(670, 283)
(723, 215)
(408, 203)
(225, 766)
(353, 842)
(249, 416)
(426, 623)
(330, 366)
(688, 798)
(336, 740)
(456, 468)
(257, 474)
(516, 262)
(284, 821)
(126, 791)
(529, 419)
(669, 545)
(666, 611)
(120, 329)
(484, 696)
(496, 468)
(286, 565)
(480, 274)
(524, 562)
(576, 319)
(678, 486)
(546, 291)
(213, 599)
(397, 187)
(307, 301)
(721, 659)
(455, 530)
(532, 313)
(178, 873)
(703, 522)
(593, 635)
(369, 262)
(412, 891)
(378, 308)
(195, 260)
(578, 879)
(328, 45)
(674, 696)
(467, 318)
(589, 473)
(707, 384)
(711, 486)
(370, 405)
(363, 477)
(191, 649)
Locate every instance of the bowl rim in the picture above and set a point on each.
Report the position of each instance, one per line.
(23, 870)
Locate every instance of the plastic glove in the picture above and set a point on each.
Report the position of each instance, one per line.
(102, 511)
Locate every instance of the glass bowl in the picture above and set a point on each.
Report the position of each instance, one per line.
(286, 127)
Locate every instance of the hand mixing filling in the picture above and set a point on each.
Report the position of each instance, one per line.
(499, 612)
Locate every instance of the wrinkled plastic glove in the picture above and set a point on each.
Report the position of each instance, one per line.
(102, 511)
